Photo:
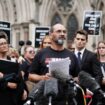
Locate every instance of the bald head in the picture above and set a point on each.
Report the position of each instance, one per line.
(57, 26)
(58, 33)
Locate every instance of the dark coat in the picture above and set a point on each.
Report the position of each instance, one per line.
(91, 65)
(11, 96)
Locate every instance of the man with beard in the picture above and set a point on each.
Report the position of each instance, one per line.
(39, 68)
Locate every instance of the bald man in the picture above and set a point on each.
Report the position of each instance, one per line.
(39, 68)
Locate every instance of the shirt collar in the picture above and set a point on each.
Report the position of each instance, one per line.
(82, 51)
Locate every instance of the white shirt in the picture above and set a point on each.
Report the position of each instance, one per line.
(81, 51)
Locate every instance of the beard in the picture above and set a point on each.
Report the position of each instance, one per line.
(59, 41)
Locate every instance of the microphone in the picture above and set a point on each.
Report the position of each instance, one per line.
(87, 81)
(36, 92)
(64, 77)
(51, 89)
(60, 75)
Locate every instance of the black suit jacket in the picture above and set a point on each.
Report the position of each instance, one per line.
(91, 65)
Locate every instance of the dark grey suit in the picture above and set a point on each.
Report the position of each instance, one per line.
(91, 65)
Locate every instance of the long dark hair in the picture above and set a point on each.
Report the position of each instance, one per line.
(98, 55)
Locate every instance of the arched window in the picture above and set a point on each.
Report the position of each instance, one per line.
(101, 7)
(56, 19)
(72, 26)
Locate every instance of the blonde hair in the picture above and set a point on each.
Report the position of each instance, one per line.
(13, 51)
(46, 37)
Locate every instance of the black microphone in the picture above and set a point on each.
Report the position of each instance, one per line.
(64, 77)
(87, 81)
(51, 89)
(35, 93)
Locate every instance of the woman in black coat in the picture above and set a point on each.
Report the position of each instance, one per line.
(12, 90)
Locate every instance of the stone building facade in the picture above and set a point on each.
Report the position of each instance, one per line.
(25, 15)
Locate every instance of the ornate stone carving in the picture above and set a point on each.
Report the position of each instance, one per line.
(56, 19)
(65, 5)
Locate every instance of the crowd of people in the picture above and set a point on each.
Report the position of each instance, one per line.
(34, 67)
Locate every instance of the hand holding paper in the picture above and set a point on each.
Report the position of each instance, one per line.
(60, 68)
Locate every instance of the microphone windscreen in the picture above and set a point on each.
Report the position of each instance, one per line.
(87, 81)
(60, 69)
(51, 87)
(61, 75)
(37, 91)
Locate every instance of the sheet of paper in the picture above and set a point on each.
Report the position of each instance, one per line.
(60, 66)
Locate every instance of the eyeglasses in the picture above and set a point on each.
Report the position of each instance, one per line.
(101, 47)
(3, 43)
(46, 42)
(59, 31)
(31, 52)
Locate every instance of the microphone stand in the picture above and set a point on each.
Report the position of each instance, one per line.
(29, 102)
(75, 85)
(50, 100)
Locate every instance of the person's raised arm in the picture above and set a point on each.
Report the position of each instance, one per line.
(36, 77)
